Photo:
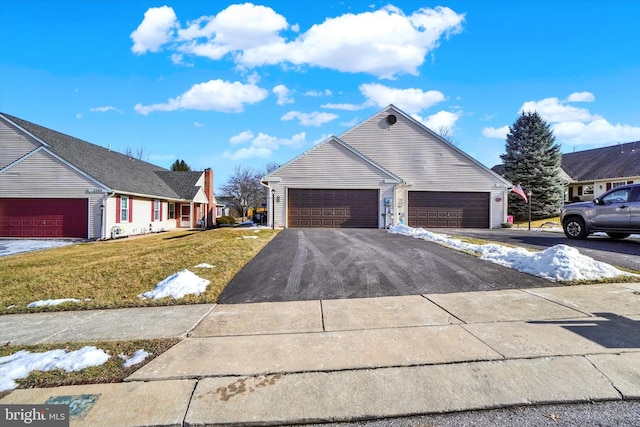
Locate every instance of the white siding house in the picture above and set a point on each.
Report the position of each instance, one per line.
(56, 186)
(420, 179)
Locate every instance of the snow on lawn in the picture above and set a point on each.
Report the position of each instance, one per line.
(137, 357)
(559, 262)
(178, 285)
(52, 302)
(10, 247)
(21, 363)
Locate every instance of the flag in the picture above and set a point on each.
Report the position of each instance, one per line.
(520, 192)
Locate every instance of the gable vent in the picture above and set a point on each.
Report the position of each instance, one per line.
(391, 119)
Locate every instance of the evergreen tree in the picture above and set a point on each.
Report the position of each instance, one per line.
(533, 160)
(180, 165)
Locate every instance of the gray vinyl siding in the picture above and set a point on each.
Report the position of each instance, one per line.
(327, 166)
(419, 158)
(43, 176)
(14, 145)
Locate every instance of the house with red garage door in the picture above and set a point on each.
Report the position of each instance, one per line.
(53, 185)
(387, 170)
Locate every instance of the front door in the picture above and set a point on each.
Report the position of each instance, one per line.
(185, 216)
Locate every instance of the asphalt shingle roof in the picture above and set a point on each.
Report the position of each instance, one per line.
(615, 161)
(115, 170)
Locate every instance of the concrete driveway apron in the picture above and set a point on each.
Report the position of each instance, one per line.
(317, 264)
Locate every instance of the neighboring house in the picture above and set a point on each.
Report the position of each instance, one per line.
(589, 173)
(54, 185)
(387, 170)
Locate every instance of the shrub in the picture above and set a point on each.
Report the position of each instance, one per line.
(225, 220)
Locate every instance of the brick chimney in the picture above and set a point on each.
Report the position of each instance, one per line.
(208, 191)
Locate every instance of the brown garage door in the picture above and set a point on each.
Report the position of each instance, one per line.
(333, 208)
(50, 218)
(434, 209)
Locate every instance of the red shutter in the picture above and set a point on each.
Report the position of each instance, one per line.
(117, 209)
(130, 209)
(629, 182)
(608, 186)
(152, 205)
(160, 210)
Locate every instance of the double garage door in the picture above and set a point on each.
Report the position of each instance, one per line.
(333, 208)
(50, 218)
(435, 209)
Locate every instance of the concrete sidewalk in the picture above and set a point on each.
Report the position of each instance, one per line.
(331, 360)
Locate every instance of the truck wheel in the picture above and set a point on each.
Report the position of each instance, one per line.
(574, 228)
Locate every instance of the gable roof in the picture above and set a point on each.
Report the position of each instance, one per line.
(114, 170)
(395, 110)
(607, 162)
(615, 161)
(330, 139)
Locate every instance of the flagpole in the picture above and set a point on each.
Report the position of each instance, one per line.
(529, 210)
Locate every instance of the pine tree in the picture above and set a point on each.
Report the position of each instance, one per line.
(533, 160)
(180, 165)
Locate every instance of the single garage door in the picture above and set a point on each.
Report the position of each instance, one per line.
(29, 218)
(333, 208)
(435, 209)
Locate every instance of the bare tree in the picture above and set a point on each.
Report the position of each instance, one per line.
(141, 153)
(244, 189)
(446, 133)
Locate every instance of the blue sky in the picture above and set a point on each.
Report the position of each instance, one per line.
(220, 84)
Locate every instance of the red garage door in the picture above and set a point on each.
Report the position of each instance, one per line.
(50, 218)
(437, 209)
(333, 208)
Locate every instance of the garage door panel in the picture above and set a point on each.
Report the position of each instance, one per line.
(333, 208)
(44, 218)
(433, 209)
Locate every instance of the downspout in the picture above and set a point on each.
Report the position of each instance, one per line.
(103, 218)
(270, 212)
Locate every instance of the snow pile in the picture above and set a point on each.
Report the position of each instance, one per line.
(19, 365)
(177, 286)
(10, 247)
(559, 262)
(203, 265)
(247, 237)
(52, 302)
(137, 357)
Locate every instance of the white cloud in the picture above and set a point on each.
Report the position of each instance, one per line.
(310, 119)
(384, 42)
(263, 145)
(317, 93)
(156, 29)
(597, 132)
(198, 124)
(581, 97)
(440, 120)
(553, 110)
(214, 95)
(499, 133)
(241, 138)
(283, 94)
(105, 109)
(346, 107)
(410, 100)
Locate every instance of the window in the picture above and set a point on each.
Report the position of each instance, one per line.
(587, 190)
(172, 211)
(124, 208)
(618, 196)
(617, 184)
(156, 210)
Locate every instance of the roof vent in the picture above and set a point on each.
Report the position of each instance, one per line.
(391, 119)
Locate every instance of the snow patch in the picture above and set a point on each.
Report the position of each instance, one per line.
(559, 262)
(20, 364)
(137, 357)
(177, 286)
(204, 265)
(10, 247)
(52, 302)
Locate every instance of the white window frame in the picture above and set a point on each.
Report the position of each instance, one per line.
(172, 210)
(156, 210)
(124, 208)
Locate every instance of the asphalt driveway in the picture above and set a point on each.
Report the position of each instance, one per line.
(311, 264)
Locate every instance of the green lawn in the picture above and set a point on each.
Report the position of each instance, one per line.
(111, 274)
